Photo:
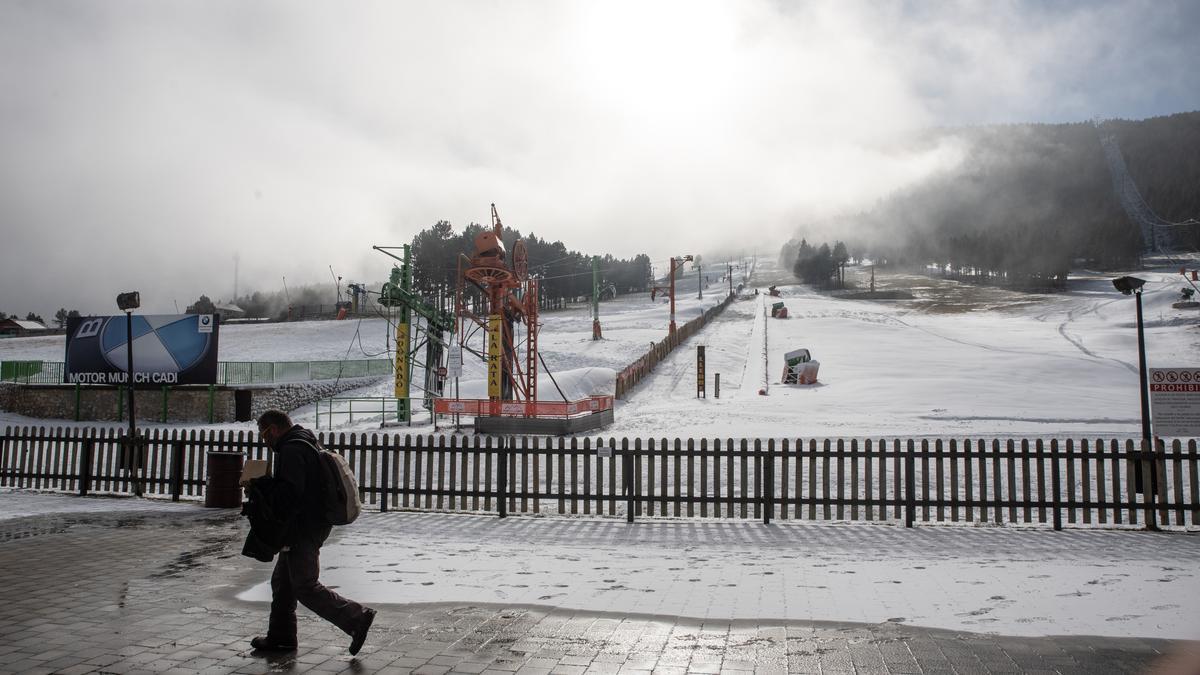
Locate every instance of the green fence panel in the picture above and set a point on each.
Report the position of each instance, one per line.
(228, 372)
(291, 371)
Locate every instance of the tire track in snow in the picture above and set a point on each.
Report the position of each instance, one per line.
(1071, 317)
(886, 318)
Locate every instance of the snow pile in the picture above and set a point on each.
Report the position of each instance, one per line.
(18, 503)
(574, 385)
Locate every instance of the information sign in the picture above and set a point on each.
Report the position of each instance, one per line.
(1175, 401)
(454, 362)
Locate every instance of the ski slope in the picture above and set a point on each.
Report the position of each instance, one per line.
(1011, 364)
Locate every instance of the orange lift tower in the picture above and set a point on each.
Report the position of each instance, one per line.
(509, 303)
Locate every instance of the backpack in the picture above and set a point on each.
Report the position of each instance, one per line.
(340, 503)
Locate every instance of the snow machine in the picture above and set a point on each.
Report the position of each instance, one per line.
(799, 367)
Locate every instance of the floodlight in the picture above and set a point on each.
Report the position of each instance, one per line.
(1128, 285)
(128, 301)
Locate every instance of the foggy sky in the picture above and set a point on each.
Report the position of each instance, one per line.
(143, 144)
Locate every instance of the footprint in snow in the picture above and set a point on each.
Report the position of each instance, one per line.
(1124, 617)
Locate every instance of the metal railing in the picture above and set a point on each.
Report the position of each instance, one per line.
(382, 407)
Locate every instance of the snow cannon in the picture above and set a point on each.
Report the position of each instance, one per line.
(778, 311)
(774, 291)
(799, 367)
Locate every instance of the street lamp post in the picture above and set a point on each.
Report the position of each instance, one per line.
(128, 302)
(1133, 286)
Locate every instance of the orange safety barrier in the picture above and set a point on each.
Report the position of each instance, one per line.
(470, 406)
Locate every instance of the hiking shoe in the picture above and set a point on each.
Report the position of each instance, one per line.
(359, 636)
(268, 644)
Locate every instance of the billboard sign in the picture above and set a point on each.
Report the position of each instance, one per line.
(167, 350)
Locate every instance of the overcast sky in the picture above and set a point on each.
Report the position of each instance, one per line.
(144, 144)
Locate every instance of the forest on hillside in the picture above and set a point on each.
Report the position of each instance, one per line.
(565, 274)
(1029, 201)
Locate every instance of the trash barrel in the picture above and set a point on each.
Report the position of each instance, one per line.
(224, 471)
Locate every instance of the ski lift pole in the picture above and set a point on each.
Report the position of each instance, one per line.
(595, 297)
(403, 340)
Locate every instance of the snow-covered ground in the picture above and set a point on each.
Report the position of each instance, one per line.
(996, 580)
(1013, 582)
(1014, 364)
(1004, 364)
(16, 503)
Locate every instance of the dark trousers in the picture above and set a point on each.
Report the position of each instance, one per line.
(295, 579)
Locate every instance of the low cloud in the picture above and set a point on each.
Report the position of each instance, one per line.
(147, 143)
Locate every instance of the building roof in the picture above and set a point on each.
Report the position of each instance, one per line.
(25, 325)
(229, 309)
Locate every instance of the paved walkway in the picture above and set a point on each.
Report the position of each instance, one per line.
(154, 592)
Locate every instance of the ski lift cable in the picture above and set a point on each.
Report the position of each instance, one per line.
(551, 375)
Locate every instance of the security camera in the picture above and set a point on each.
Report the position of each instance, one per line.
(1128, 285)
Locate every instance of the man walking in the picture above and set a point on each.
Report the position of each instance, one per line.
(293, 497)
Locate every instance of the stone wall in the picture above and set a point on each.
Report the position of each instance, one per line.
(107, 404)
(183, 404)
(288, 397)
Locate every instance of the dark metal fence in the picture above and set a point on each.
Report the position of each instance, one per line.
(1013, 482)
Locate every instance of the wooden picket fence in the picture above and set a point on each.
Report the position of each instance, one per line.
(631, 375)
(1013, 482)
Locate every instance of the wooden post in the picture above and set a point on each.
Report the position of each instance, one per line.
(769, 480)
(502, 478)
(1146, 461)
(910, 496)
(85, 467)
(176, 469)
(1055, 490)
(383, 476)
(627, 479)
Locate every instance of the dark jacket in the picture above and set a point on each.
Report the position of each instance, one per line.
(267, 531)
(293, 493)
